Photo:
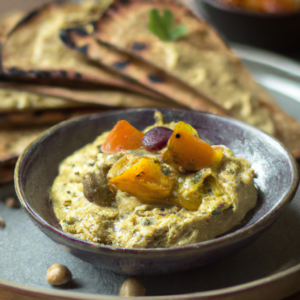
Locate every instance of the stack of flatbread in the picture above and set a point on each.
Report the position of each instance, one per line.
(71, 58)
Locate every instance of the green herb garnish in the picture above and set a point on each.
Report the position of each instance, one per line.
(163, 26)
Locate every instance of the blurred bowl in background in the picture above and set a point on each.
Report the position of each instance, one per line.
(277, 32)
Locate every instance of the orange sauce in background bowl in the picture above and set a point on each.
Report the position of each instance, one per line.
(266, 6)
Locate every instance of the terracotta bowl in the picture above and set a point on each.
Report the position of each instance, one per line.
(276, 32)
(277, 183)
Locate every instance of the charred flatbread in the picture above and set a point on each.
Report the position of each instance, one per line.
(39, 118)
(33, 50)
(19, 130)
(201, 59)
(78, 39)
(7, 171)
(14, 99)
(8, 23)
(18, 96)
(14, 141)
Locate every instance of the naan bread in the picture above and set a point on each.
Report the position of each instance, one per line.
(17, 133)
(8, 23)
(80, 40)
(48, 117)
(33, 49)
(13, 99)
(20, 96)
(14, 141)
(201, 59)
(7, 171)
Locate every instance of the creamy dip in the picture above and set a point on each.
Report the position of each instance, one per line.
(119, 219)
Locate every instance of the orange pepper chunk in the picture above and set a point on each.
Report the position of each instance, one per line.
(122, 137)
(142, 178)
(186, 149)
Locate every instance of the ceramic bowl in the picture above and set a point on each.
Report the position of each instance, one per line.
(276, 32)
(277, 181)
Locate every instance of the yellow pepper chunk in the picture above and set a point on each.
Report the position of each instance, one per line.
(143, 178)
(186, 149)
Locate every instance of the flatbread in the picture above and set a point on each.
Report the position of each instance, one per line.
(14, 141)
(8, 23)
(200, 59)
(19, 133)
(7, 171)
(33, 97)
(43, 117)
(34, 51)
(14, 99)
(80, 40)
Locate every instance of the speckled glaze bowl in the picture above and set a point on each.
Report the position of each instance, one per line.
(277, 182)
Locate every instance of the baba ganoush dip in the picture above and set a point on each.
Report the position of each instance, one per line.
(163, 187)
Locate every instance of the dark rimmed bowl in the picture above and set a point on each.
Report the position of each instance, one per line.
(277, 181)
(276, 32)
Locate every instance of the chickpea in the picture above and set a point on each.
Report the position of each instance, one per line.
(132, 287)
(58, 274)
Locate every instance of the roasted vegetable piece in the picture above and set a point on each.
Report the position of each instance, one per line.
(96, 188)
(156, 138)
(187, 150)
(122, 137)
(143, 178)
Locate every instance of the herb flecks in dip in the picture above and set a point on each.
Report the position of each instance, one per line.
(140, 195)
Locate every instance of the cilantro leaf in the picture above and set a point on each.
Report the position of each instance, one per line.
(167, 18)
(158, 25)
(163, 25)
(177, 32)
